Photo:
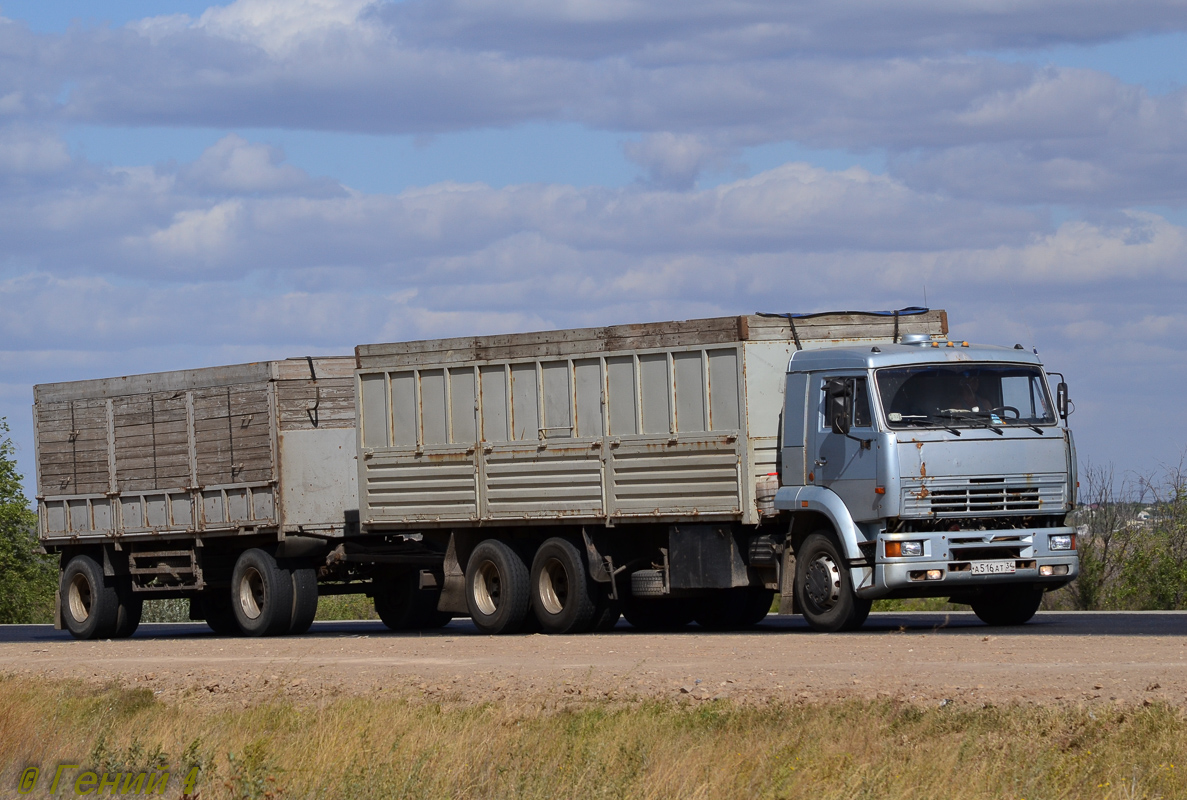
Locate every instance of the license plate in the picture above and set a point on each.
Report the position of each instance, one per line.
(992, 568)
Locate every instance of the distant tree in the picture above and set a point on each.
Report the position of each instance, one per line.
(27, 578)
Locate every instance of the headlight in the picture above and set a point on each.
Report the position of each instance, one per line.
(1062, 541)
(904, 549)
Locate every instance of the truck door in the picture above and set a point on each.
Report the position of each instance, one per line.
(845, 464)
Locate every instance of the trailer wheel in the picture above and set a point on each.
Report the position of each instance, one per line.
(90, 604)
(261, 594)
(218, 611)
(734, 609)
(304, 598)
(561, 593)
(823, 588)
(659, 614)
(497, 592)
(130, 609)
(1013, 605)
(403, 605)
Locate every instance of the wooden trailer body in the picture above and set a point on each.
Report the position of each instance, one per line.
(219, 451)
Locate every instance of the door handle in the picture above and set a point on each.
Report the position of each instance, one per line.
(820, 462)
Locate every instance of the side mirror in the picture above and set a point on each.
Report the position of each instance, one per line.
(1061, 400)
(840, 406)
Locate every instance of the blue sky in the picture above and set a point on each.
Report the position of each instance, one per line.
(184, 184)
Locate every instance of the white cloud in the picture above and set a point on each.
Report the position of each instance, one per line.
(29, 151)
(281, 26)
(235, 166)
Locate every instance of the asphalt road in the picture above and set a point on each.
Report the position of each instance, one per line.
(1048, 623)
(1070, 658)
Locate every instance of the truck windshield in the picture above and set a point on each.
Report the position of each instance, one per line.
(964, 396)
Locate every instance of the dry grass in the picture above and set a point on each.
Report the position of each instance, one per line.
(362, 747)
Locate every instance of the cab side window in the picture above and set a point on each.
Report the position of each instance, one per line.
(859, 390)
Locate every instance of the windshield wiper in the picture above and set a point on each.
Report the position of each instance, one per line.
(926, 420)
(971, 416)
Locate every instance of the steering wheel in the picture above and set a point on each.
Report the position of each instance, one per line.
(1001, 411)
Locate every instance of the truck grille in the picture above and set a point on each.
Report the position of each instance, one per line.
(951, 497)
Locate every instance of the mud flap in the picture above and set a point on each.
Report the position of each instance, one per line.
(787, 603)
(453, 592)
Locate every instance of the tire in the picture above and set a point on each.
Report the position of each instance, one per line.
(1013, 605)
(734, 609)
(304, 598)
(497, 592)
(823, 589)
(261, 594)
(130, 609)
(215, 605)
(562, 595)
(659, 614)
(90, 604)
(403, 605)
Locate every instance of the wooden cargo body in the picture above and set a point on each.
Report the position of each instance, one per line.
(267, 446)
(635, 423)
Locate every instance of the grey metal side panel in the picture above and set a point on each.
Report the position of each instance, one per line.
(622, 397)
(433, 486)
(319, 476)
(541, 483)
(794, 473)
(695, 475)
(559, 460)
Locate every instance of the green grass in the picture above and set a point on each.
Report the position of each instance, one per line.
(391, 746)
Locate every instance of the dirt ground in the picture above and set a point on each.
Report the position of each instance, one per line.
(923, 658)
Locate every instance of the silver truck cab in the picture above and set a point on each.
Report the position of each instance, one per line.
(934, 468)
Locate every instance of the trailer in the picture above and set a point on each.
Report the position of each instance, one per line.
(666, 472)
(157, 481)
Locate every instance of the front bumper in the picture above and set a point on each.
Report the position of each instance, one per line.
(953, 555)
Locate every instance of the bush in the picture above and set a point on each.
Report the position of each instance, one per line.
(28, 578)
(1132, 541)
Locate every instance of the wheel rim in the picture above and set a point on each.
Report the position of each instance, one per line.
(80, 598)
(823, 584)
(488, 586)
(251, 593)
(553, 586)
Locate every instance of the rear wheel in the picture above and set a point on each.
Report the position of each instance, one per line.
(823, 588)
(497, 588)
(1012, 605)
(562, 596)
(90, 604)
(261, 594)
(403, 605)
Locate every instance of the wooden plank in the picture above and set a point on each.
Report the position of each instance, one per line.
(619, 338)
(324, 367)
(173, 382)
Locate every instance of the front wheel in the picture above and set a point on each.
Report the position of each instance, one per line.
(823, 589)
(1013, 605)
